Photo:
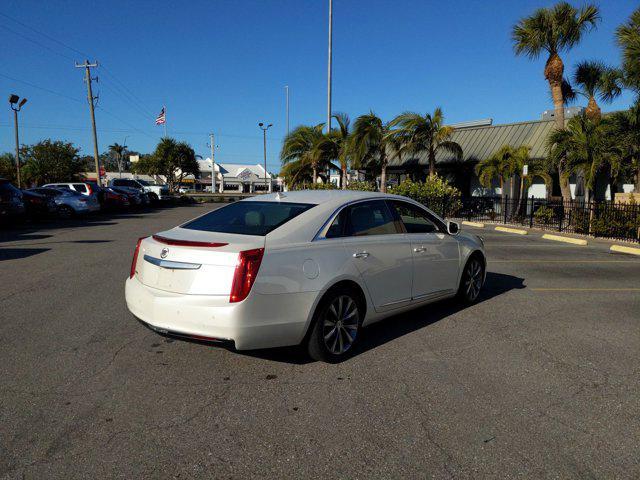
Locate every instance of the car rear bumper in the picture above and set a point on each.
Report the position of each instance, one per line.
(260, 321)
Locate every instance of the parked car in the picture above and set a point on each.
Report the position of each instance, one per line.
(11, 203)
(85, 188)
(136, 197)
(37, 205)
(309, 267)
(69, 202)
(155, 191)
(114, 200)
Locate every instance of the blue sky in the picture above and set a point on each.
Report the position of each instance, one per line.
(222, 66)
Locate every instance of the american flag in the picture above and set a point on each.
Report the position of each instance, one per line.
(162, 118)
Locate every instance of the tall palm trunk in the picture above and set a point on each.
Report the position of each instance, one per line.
(432, 162)
(593, 111)
(383, 174)
(315, 174)
(553, 72)
(343, 179)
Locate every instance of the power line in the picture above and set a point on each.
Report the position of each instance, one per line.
(53, 39)
(120, 90)
(36, 42)
(41, 88)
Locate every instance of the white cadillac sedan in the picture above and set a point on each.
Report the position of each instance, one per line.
(310, 267)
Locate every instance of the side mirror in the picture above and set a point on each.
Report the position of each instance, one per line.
(453, 228)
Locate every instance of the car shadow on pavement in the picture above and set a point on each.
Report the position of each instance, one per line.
(16, 253)
(399, 325)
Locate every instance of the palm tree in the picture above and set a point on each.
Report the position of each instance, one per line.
(585, 145)
(554, 30)
(300, 146)
(504, 164)
(371, 143)
(426, 133)
(335, 146)
(626, 136)
(628, 37)
(118, 151)
(597, 79)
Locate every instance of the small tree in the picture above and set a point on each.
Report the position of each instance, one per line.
(8, 167)
(171, 159)
(50, 161)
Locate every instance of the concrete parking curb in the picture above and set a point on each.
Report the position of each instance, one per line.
(473, 224)
(559, 238)
(511, 230)
(623, 249)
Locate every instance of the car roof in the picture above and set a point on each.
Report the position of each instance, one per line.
(319, 197)
(305, 226)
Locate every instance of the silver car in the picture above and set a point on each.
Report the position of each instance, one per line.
(70, 202)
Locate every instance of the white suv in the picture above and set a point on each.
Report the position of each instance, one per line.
(155, 191)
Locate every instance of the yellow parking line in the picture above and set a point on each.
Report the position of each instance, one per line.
(473, 224)
(560, 238)
(623, 249)
(511, 230)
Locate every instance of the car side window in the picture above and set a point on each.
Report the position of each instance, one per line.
(338, 226)
(369, 218)
(80, 187)
(415, 219)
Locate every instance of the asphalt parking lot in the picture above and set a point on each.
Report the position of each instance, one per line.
(540, 379)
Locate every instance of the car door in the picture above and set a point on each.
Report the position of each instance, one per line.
(381, 252)
(435, 253)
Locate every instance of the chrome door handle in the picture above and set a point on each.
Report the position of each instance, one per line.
(361, 255)
(420, 249)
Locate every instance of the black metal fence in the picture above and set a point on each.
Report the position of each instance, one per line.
(599, 219)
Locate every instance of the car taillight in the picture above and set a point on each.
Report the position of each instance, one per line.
(89, 189)
(135, 257)
(245, 274)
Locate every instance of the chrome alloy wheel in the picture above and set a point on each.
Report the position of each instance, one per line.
(473, 279)
(340, 324)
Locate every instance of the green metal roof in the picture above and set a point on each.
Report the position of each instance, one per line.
(479, 143)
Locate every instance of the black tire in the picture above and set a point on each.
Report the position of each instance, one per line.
(153, 197)
(472, 280)
(65, 211)
(336, 326)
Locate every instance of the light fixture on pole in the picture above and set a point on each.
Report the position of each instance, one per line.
(264, 129)
(16, 105)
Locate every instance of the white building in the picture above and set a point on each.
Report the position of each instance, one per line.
(235, 177)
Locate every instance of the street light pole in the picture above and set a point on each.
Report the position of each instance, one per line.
(329, 67)
(264, 129)
(16, 105)
(286, 88)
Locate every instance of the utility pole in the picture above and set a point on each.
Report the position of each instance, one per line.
(329, 67)
(213, 163)
(286, 89)
(88, 66)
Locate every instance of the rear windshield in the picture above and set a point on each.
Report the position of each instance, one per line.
(248, 218)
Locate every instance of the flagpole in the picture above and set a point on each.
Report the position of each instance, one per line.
(165, 121)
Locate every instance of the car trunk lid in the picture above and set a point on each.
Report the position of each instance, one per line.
(191, 261)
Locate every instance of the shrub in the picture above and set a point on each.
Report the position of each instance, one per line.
(363, 186)
(315, 186)
(435, 192)
(543, 215)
